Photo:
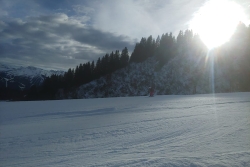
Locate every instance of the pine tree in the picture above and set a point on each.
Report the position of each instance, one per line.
(124, 58)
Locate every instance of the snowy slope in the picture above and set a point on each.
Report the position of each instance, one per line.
(23, 77)
(185, 74)
(189, 130)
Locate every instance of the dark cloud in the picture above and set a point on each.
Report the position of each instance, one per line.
(103, 40)
(56, 38)
(53, 4)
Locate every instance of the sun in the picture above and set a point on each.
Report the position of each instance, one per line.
(216, 21)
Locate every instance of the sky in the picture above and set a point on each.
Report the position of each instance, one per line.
(60, 34)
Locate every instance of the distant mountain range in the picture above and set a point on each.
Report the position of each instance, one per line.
(22, 78)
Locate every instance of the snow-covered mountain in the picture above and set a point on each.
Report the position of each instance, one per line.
(23, 77)
(185, 74)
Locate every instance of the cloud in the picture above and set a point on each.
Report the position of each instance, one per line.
(83, 9)
(3, 13)
(143, 18)
(55, 39)
(54, 4)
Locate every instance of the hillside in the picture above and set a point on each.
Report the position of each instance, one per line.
(184, 74)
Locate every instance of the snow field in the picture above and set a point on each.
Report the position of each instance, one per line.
(195, 130)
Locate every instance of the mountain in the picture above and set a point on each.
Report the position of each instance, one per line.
(184, 68)
(183, 75)
(22, 78)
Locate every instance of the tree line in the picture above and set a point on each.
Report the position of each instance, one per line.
(166, 47)
(84, 73)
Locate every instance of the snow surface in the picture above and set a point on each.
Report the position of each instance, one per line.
(191, 130)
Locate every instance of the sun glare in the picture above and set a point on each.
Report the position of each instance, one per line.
(216, 21)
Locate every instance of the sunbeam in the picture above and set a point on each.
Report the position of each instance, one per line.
(216, 21)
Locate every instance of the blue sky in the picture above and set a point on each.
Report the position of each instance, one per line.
(59, 34)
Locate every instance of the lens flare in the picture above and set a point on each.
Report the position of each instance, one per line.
(216, 21)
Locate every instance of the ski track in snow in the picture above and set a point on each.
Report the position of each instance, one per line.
(195, 130)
